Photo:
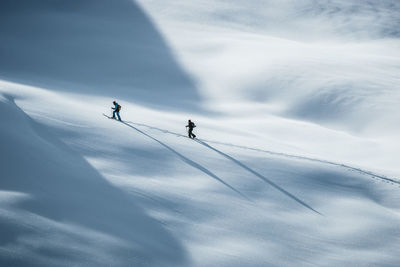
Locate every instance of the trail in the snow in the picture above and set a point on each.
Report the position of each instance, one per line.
(362, 171)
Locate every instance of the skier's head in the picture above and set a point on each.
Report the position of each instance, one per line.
(114, 102)
(189, 120)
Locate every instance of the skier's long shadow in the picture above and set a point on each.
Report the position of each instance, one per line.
(156, 128)
(259, 176)
(188, 161)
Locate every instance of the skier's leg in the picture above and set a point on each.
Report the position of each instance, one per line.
(113, 114)
(190, 133)
(119, 118)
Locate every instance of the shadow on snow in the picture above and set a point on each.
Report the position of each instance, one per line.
(237, 162)
(100, 47)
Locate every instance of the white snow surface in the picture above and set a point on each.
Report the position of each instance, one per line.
(296, 107)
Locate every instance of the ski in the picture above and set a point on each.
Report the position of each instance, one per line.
(111, 118)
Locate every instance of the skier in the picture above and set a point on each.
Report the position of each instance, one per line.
(116, 109)
(191, 125)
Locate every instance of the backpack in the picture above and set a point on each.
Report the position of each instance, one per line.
(118, 108)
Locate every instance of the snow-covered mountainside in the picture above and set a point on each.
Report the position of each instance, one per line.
(296, 107)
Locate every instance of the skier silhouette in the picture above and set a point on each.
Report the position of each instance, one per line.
(116, 109)
(191, 125)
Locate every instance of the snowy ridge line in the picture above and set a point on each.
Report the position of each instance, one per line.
(365, 172)
(40, 116)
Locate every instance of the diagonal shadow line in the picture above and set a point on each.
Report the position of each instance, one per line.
(156, 128)
(259, 176)
(189, 161)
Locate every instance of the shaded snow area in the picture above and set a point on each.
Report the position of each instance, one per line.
(296, 107)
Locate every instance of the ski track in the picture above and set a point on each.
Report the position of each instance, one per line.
(286, 155)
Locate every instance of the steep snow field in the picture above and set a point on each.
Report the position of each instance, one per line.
(297, 113)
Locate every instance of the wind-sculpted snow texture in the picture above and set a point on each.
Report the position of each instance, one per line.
(296, 157)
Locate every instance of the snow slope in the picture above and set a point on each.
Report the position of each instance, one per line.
(81, 189)
(264, 185)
